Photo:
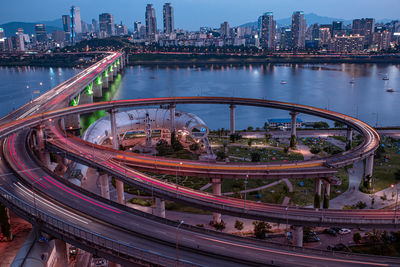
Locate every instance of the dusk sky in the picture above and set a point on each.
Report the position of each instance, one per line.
(191, 14)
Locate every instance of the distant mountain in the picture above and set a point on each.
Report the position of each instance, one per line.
(10, 28)
(311, 18)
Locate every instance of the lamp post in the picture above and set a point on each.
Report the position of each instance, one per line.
(177, 250)
(245, 188)
(287, 224)
(176, 177)
(395, 208)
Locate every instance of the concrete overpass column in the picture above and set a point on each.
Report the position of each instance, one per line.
(327, 195)
(172, 117)
(44, 156)
(160, 207)
(317, 197)
(98, 87)
(61, 250)
(232, 118)
(115, 70)
(104, 185)
(5, 222)
(118, 183)
(369, 167)
(110, 74)
(297, 235)
(349, 137)
(216, 186)
(86, 96)
(72, 122)
(293, 125)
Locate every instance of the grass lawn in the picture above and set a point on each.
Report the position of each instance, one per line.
(383, 174)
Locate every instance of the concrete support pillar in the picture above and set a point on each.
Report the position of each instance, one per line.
(317, 197)
(297, 235)
(232, 119)
(72, 122)
(114, 134)
(61, 250)
(105, 80)
(369, 166)
(5, 224)
(172, 117)
(120, 191)
(86, 97)
(349, 136)
(118, 183)
(104, 185)
(98, 87)
(44, 156)
(160, 207)
(111, 75)
(327, 195)
(216, 186)
(293, 126)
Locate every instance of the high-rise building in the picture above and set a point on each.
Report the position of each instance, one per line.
(298, 30)
(267, 31)
(286, 42)
(2, 34)
(151, 22)
(337, 28)
(41, 35)
(324, 35)
(225, 30)
(76, 19)
(168, 16)
(58, 36)
(364, 27)
(18, 43)
(95, 25)
(121, 29)
(106, 21)
(137, 26)
(66, 19)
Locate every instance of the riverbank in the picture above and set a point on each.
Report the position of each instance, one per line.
(207, 59)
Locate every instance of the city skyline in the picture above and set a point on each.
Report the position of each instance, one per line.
(208, 12)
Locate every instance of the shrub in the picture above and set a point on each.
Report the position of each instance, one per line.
(261, 228)
(239, 225)
(357, 238)
(315, 149)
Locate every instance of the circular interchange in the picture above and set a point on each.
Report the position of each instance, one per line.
(365, 149)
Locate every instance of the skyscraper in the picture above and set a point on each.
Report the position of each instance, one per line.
(168, 15)
(337, 28)
(364, 27)
(225, 30)
(41, 35)
(106, 21)
(76, 19)
(66, 19)
(73, 32)
(151, 22)
(298, 30)
(2, 35)
(95, 25)
(267, 31)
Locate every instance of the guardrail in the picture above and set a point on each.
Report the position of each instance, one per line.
(116, 248)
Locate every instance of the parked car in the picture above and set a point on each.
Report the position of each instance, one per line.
(339, 247)
(344, 231)
(311, 238)
(330, 231)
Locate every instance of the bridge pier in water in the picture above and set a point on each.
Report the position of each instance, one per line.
(118, 183)
(105, 79)
(72, 123)
(232, 118)
(87, 95)
(297, 235)
(160, 207)
(216, 187)
(98, 87)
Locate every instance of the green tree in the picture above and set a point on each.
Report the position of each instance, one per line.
(163, 148)
(338, 124)
(397, 175)
(239, 225)
(325, 204)
(221, 155)
(315, 150)
(357, 238)
(250, 128)
(320, 125)
(255, 157)
(194, 147)
(250, 142)
(293, 141)
(261, 228)
(267, 137)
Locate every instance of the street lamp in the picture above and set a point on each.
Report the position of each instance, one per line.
(245, 187)
(287, 224)
(177, 254)
(176, 177)
(395, 208)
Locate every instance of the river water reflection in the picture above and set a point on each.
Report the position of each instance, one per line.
(326, 86)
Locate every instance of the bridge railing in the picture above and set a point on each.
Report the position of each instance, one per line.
(94, 240)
